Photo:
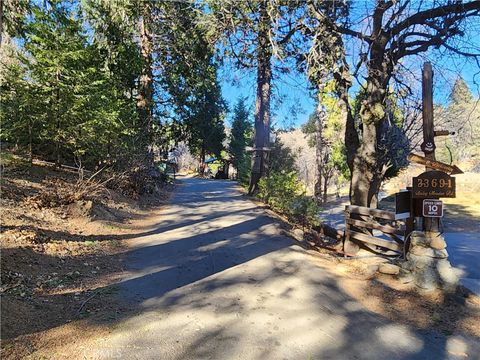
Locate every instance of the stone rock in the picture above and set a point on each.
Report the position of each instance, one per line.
(389, 269)
(372, 269)
(420, 261)
(418, 238)
(298, 234)
(407, 266)
(438, 242)
(405, 276)
(433, 253)
(447, 273)
(427, 279)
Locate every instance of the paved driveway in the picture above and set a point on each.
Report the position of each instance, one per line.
(216, 279)
(464, 254)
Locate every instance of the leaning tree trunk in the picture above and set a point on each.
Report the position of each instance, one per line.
(262, 105)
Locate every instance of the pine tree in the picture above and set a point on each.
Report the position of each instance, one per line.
(64, 69)
(240, 137)
(253, 33)
(189, 78)
(58, 98)
(204, 125)
(461, 93)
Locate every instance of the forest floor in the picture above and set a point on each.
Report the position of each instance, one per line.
(59, 263)
(110, 277)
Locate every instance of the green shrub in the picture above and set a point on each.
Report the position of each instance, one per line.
(305, 211)
(284, 192)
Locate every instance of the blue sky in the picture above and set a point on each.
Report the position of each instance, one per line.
(293, 91)
(291, 102)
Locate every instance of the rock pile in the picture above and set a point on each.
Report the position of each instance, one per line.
(427, 264)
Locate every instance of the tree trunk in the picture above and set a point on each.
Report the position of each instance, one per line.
(202, 161)
(30, 147)
(368, 168)
(325, 185)
(366, 175)
(318, 153)
(57, 119)
(262, 105)
(145, 90)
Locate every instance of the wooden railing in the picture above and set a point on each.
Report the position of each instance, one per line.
(361, 221)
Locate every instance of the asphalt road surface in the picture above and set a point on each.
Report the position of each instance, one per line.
(217, 279)
(464, 253)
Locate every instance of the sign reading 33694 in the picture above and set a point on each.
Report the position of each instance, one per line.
(433, 184)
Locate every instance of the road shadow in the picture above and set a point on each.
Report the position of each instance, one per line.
(199, 263)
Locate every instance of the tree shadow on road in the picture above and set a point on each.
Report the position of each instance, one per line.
(255, 294)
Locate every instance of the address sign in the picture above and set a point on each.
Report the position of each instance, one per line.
(433, 184)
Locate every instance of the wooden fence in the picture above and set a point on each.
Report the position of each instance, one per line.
(363, 224)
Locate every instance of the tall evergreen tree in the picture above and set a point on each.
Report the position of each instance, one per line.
(204, 125)
(189, 77)
(253, 32)
(460, 94)
(240, 137)
(58, 96)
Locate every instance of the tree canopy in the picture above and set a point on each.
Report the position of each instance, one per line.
(94, 81)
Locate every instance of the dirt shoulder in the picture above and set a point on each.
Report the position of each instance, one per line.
(456, 313)
(59, 264)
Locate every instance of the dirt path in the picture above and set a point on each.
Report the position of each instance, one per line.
(217, 279)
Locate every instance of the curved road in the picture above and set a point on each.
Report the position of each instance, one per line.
(217, 279)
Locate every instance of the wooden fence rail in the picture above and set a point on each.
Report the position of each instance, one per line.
(361, 221)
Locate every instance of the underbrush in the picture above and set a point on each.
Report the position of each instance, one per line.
(285, 193)
(62, 241)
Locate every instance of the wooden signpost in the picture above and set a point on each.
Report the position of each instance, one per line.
(433, 164)
(436, 182)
